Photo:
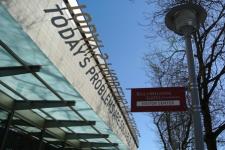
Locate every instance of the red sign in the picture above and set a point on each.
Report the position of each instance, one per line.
(158, 99)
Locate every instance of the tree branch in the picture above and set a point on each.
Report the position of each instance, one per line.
(216, 79)
(213, 57)
(219, 130)
(207, 31)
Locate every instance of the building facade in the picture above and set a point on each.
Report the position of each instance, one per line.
(56, 86)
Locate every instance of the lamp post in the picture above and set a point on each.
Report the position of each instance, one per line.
(184, 20)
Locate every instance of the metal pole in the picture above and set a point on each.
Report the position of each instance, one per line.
(196, 109)
(64, 145)
(40, 147)
(6, 129)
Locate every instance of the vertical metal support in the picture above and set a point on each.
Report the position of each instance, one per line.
(42, 136)
(196, 109)
(41, 139)
(63, 145)
(6, 130)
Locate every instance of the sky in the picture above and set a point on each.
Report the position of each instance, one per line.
(118, 23)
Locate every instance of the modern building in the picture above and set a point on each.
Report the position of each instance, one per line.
(57, 90)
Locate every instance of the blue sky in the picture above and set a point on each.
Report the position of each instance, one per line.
(117, 22)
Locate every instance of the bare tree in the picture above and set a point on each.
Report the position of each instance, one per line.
(174, 128)
(209, 52)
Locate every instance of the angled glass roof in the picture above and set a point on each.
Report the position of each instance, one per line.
(30, 86)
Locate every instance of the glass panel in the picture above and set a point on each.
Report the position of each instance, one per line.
(31, 88)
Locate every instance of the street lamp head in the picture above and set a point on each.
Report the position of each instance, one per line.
(185, 19)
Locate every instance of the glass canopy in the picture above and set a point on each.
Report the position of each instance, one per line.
(47, 84)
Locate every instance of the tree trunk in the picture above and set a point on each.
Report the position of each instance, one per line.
(210, 142)
(210, 139)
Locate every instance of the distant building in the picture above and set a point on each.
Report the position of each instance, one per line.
(56, 88)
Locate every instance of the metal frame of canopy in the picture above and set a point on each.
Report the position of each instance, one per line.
(23, 111)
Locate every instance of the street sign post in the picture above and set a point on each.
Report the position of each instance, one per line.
(166, 99)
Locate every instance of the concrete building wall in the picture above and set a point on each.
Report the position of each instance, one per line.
(79, 68)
